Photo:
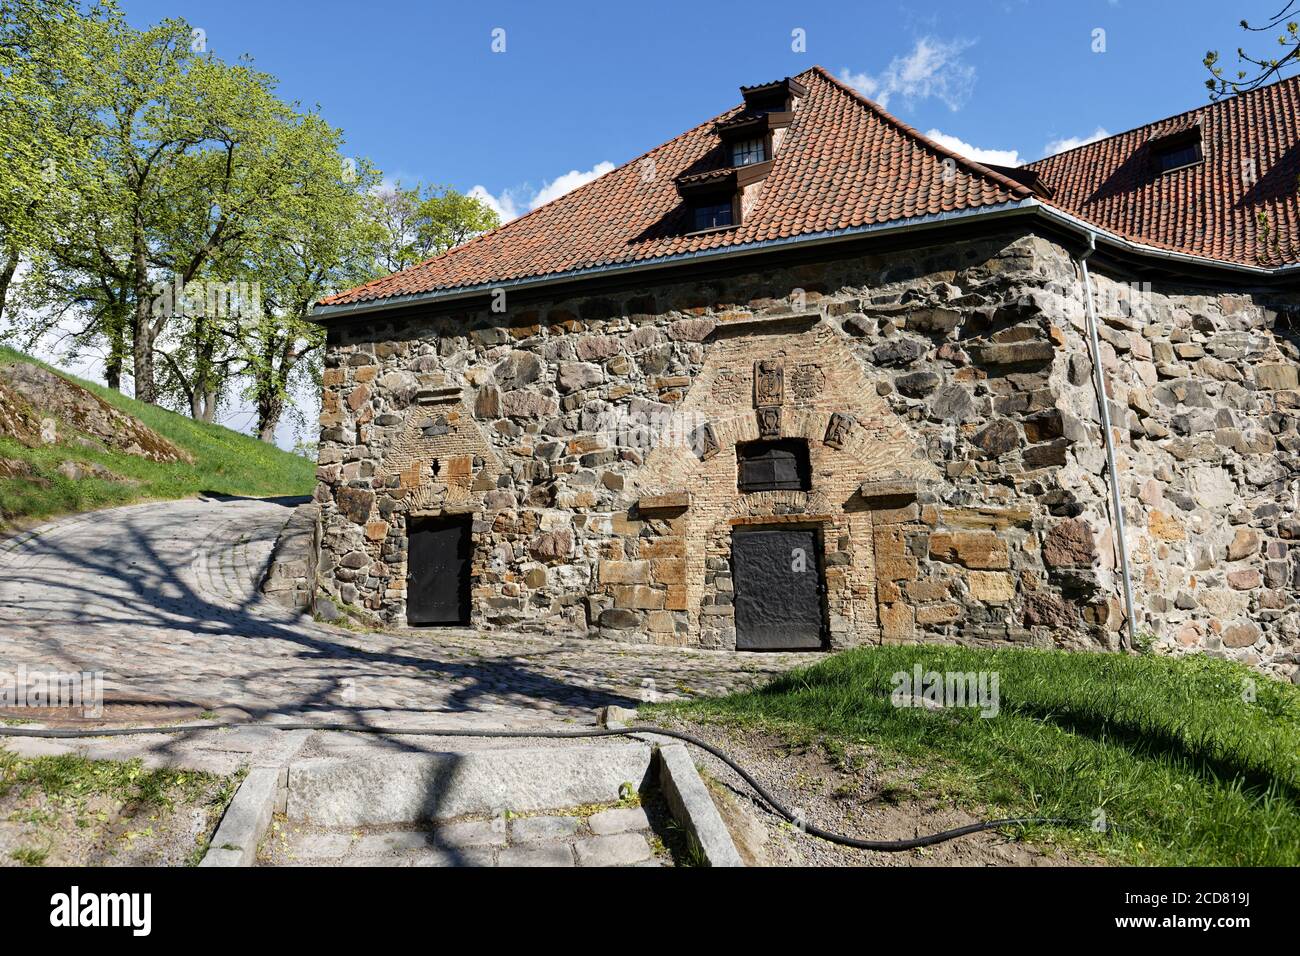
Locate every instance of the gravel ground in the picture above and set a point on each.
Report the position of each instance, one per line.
(846, 794)
(108, 829)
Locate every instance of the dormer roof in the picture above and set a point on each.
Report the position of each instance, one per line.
(844, 162)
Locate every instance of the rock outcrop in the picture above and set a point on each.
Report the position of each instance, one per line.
(39, 407)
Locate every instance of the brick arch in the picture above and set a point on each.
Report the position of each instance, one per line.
(823, 378)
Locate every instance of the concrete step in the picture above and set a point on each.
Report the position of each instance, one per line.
(416, 787)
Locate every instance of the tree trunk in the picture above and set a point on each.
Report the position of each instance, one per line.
(142, 353)
(142, 328)
(7, 270)
(115, 332)
(268, 419)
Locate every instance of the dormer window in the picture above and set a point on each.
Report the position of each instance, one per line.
(713, 215)
(1177, 149)
(1176, 157)
(727, 186)
(746, 152)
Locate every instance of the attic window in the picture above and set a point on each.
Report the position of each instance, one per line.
(1177, 151)
(711, 215)
(774, 465)
(746, 152)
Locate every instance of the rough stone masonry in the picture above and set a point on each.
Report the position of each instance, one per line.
(958, 473)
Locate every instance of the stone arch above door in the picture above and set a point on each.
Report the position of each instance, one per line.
(813, 388)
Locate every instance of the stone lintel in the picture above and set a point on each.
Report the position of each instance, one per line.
(458, 508)
(441, 395)
(669, 501)
(891, 488)
(779, 519)
(759, 324)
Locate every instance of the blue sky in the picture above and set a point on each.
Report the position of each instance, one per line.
(580, 87)
(417, 88)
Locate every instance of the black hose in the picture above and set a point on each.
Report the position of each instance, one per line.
(883, 846)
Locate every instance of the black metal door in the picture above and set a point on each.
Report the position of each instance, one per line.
(438, 565)
(778, 589)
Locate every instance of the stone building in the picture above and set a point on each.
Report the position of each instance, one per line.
(802, 377)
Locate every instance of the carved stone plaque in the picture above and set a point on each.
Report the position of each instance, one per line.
(769, 422)
(728, 388)
(837, 430)
(769, 383)
(704, 442)
(807, 382)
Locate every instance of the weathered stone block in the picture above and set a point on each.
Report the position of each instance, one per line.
(354, 503)
(897, 622)
(1166, 527)
(991, 587)
(625, 572)
(1245, 579)
(1241, 635)
(973, 549)
(938, 614)
(1277, 376)
(639, 597)
(1245, 542)
(573, 376)
(1069, 544)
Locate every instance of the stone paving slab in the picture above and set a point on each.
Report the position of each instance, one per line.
(616, 849)
(561, 838)
(618, 820)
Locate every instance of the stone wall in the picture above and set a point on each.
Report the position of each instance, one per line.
(291, 572)
(958, 468)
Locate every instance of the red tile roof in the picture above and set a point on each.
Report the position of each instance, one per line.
(844, 162)
(1213, 209)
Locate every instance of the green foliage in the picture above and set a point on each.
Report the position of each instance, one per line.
(225, 462)
(44, 64)
(1186, 767)
(144, 177)
(418, 222)
(1258, 70)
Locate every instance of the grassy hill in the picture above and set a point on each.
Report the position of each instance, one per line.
(225, 462)
(1188, 768)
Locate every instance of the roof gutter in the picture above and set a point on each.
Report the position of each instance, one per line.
(324, 313)
(1029, 206)
(1091, 234)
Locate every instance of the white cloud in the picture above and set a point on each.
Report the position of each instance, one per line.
(1072, 142)
(934, 68)
(511, 203)
(570, 181)
(503, 205)
(998, 157)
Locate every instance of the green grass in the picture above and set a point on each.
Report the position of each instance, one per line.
(1186, 770)
(63, 785)
(225, 462)
(67, 779)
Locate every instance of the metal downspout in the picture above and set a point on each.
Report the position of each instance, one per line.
(1103, 405)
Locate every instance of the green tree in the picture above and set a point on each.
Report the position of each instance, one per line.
(419, 222)
(1257, 71)
(191, 153)
(44, 67)
(317, 242)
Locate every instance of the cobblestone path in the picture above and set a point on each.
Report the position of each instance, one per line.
(161, 597)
